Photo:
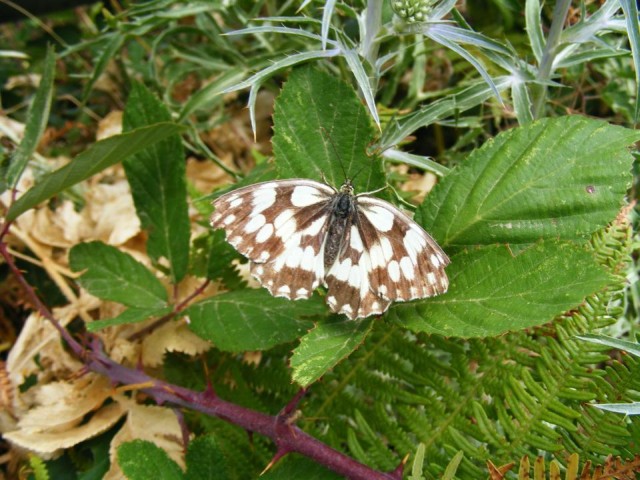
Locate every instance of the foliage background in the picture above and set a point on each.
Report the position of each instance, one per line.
(490, 372)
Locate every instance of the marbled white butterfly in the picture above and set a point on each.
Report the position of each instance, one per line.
(300, 234)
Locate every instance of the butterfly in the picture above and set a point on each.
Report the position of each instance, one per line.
(300, 234)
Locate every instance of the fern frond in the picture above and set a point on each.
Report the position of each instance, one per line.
(494, 399)
(613, 468)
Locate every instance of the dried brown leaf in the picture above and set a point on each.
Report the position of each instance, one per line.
(47, 443)
(173, 336)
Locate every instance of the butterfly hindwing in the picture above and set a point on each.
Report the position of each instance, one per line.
(406, 262)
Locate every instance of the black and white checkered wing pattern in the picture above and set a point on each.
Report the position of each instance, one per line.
(386, 257)
(280, 226)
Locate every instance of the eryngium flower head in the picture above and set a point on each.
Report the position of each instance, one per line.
(412, 10)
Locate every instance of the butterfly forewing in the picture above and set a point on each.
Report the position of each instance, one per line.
(299, 234)
(279, 226)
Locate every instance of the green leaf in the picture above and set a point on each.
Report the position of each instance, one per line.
(544, 180)
(325, 346)
(132, 315)
(308, 127)
(158, 185)
(213, 257)
(36, 120)
(38, 467)
(630, 8)
(493, 292)
(142, 460)
(112, 44)
(96, 158)
(251, 319)
(632, 348)
(624, 408)
(205, 460)
(117, 276)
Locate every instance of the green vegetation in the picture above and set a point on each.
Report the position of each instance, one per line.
(508, 129)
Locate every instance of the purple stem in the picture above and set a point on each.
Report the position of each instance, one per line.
(287, 436)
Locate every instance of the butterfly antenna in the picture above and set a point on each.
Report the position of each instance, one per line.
(327, 135)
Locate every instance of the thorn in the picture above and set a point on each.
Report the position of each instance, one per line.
(135, 386)
(399, 470)
(184, 429)
(279, 454)
(209, 392)
(290, 407)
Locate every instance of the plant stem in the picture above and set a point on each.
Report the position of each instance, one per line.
(560, 11)
(288, 437)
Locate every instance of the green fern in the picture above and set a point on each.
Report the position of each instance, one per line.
(38, 467)
(493, 399)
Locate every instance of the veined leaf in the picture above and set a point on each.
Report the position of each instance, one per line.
(251, 319)
(205, 460)
(141, 460)
(132, 315)
(325, 346)
(117, 276)
(493, 292)
(556, 178)
(308, 127)
(36, 120)
(96, 158)
(158, 185)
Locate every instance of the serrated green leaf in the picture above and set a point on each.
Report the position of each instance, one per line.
(131, 315)
(38, 468)
(493, 292)
(315, 113)
(158, 185)
(142, 460)
(543, 180)
(113, 275)
(96, 158)
(213, 257)
(325, 346)
(36, 120)
(252, 319)
(205, 460)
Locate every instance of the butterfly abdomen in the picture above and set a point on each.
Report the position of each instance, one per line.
(342, 210)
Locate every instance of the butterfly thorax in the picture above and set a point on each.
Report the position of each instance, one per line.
(343, 208)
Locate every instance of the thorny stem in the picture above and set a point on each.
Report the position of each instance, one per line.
(280, 428)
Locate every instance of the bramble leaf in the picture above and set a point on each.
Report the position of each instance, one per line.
(117, 276)
(158, 185)
(320, 125)
(325, 346)
(560, 178)
(252, 319)
(492, 291)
